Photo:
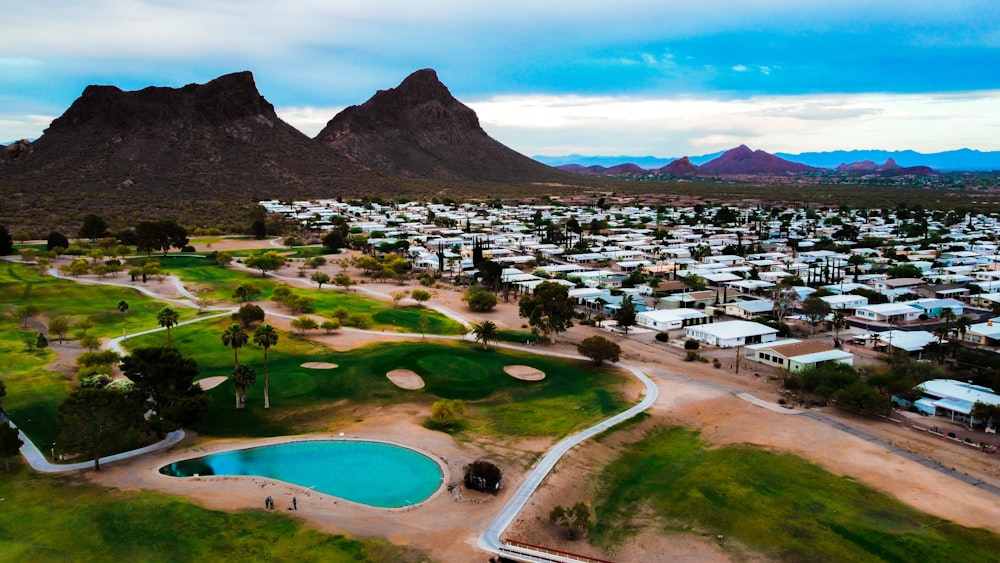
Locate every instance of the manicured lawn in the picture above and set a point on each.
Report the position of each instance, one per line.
(22, 285)
(33, 394)
(50, 518)
(218, 283)
(572, 395)
(779, 504)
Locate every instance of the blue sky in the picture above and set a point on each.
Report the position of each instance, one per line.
(638, 77)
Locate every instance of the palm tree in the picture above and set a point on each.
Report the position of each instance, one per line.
(235, 337)
(168, 317)
(947, 315)
(839, 322)
(941, 332)
(243, 377)
(485, 332)
(962, 325)
(265, 336)
(123, 309)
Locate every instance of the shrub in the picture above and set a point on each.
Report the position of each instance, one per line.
(483, 475)
(691, 356)
(716, 363)
(360, 320)
(662, 336)
(691, 344)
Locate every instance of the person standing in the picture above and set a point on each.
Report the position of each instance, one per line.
(295, 504)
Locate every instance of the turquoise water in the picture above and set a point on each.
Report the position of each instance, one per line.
(371, 473)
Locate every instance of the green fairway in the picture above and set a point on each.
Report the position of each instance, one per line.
(779, 504)
(572, 395)
(218, 283)
(22, 285)
(49, 518)
(33, 394)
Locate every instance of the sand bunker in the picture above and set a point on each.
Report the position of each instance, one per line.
(319, 365)
(405, 379)
(211, 382)
(525, 373)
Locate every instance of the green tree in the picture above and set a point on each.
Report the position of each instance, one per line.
(947, 315)
(549, 309)
(330, 325)
(485, 332)
(962, 325)
(248, 315)
(398, 296)
(839, 322)
(160, 236)
(93, 228)
(10, 444)
(168, 317)
(56, 240)
(815, 310)
(59, 326)
(626, 314)
(243, 378)
(861, 398)
(344, 281)
(421, 296)
(235, 337)
(265, 336)
(123, 309)
(304, 324)
(6, 242)
(320, 278)
(165, 379)
(98, 421)
(479, 299)
(266, 262)
(246, 292)
(25, 313)
(447, 411)
(599, 350)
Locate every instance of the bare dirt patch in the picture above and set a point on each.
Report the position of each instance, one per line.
(211, 382)
(319, 365)
(524, 373)
(405, 379)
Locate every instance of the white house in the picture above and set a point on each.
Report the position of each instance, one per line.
(750, 308)
(889, 312)
(732, 333)
(667, 319)
(846, 302)
(954, 399)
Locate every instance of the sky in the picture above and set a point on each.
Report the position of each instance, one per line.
(549, 77)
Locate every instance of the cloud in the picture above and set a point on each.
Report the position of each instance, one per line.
(740, 68)
(684, 126)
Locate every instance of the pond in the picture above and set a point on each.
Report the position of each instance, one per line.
(373, 473)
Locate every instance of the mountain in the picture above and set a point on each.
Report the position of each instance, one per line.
(627, 169)
(160, 147)
(743, 160)
(419, 130)
(890, 168)
(644, 162)
(956, 160)
(680, 168)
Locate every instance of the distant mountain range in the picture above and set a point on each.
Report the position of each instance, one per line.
(947, 161)
(744, 161)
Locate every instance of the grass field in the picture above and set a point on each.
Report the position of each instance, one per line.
(49, 518)
(22, 285)
(779, 504)
(218, 283)
(305, 400)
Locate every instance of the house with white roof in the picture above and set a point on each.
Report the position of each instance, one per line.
(846, 302)
(668, 319)
(732, 333)
(888, 313)
(984, 334)
(953, 399)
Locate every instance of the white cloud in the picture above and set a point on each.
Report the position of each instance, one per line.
(683, 126)
(740, 68)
